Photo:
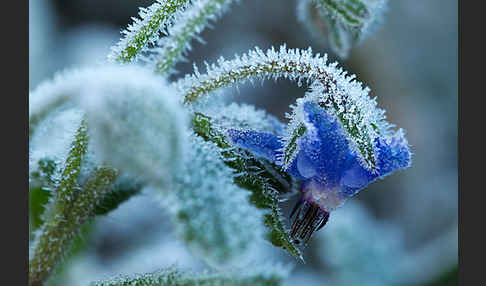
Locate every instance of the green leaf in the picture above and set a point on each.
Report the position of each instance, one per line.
(38, 198)
(291, 148)
(264, 179)
(41, 182)
(344, 22)
(121, 193)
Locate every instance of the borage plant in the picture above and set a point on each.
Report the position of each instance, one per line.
(101, 135)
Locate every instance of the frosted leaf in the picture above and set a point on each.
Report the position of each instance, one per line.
(135, 120)
(266, 276)
(243, 117)
(211, 213)
(134, 116)
(345, 22)
(46, 97)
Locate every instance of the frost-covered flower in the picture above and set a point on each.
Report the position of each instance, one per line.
(330, 168)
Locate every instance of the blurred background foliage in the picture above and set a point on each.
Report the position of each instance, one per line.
(411, 65)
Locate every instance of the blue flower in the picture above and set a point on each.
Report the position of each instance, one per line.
(326, 163)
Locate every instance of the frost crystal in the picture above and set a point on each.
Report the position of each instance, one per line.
(211, 213)
(243, 116)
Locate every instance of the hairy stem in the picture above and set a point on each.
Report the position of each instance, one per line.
(192, 22)
(331, 88)
(68, 210)
(62, 226)
(145, 30)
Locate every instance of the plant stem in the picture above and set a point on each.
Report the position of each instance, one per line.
(61, 227)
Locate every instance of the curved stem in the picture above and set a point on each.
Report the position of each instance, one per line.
(330, 87)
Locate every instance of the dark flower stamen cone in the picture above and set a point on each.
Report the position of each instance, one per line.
(309, 219)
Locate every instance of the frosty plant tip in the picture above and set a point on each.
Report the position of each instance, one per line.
(337, 141)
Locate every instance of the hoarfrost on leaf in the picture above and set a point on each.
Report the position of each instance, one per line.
(211, 213)
(273, 275)
(345, 23)
(136, 122)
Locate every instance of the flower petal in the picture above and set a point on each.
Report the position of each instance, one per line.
(261, 144)
(393, 154)
(324, 145)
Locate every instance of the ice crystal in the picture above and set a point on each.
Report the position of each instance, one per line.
(212, 214)
(146, 29)
(243, 116)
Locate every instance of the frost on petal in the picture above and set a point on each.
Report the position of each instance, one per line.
(210, 212)
(393, 153)
(324, 144)
(261, 144)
